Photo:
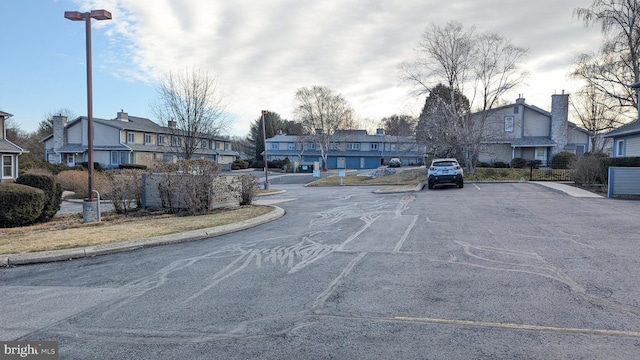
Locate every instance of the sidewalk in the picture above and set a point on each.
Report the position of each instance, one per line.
(567, 189)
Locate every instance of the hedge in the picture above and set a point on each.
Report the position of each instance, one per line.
(51, 188)
(20, 205)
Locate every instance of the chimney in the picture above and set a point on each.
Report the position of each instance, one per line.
(559, 120)
(520, 99)
(379, 131)
(319, 131)
(59, 123)
(122, 116)
(172, 124)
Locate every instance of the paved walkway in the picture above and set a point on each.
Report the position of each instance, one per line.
(90, 251)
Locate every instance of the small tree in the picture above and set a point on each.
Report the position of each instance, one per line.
(126, 189)
(192, 106)
(322, 113)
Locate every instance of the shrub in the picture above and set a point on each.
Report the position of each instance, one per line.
(534, 164)
(483, 165)
(96, 165)
(562, 160)
(239, 164)
(77, 181)
(518, 163)
(20, 205)
(587, 170)
(126, 189)
(132, 166)
(500, 165)
(51, 188)
(248, 188)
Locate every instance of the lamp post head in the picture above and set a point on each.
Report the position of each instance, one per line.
(95, 14)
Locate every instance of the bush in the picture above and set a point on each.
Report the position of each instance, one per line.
(20, 205)
(239, 164)
(126, 189)
(96, 165)
(605, 163)
(77, 181)
(518, 163)
(51, 188)
(248, 188)
(587, 170)
(500, 165)
(534, 164)
(563, 160)
(132, 166)
(483, 165)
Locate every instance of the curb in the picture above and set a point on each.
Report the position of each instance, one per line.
(418, 187)
(7, 260)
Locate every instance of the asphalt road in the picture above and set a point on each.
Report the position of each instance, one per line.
(491, 271)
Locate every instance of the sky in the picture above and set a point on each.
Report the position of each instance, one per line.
(262, 51)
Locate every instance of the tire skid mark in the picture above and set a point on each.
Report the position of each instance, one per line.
(532, 263)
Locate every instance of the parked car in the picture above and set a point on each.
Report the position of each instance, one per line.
(445, 171)
(395, 162)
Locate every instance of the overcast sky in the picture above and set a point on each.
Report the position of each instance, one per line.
(262, 51)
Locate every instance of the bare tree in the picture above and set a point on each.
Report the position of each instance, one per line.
(616, 65)
(480, 67)
(595, 113)
(322, 113)
(45, 127)
(191, 104)
(399, 125)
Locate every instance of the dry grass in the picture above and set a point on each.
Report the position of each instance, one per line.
(411, 177)
(68, 231)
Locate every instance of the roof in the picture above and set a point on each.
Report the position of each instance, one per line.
(133, 124)
(626, 129)
(531, 141)
(5, 114)
(355, 136)
(7, 146)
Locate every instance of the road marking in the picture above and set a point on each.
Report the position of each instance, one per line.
(477, 187)
(520, 326)
(405, 235)
(319, 303)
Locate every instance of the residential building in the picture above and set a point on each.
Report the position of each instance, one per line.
(9, 152)
(520, 130)
(626, 138)
(349, 149)
(127, 140)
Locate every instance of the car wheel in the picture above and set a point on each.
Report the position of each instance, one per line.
(430, 185)
(461, 183)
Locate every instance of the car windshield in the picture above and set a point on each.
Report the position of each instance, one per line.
(445, 163)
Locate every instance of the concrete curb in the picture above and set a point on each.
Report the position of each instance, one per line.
(91, 251)
(418, 187)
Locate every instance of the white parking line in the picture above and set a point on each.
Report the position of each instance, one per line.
(477, 187)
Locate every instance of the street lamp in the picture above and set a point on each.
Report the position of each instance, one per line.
(265, 113)
(86, 17)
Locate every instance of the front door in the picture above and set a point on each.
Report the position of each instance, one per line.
(342, 163)
(541, 154)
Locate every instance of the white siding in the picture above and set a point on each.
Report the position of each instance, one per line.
(632, 146)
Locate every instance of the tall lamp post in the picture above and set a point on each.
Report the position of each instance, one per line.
(86, 17)
(264, 156)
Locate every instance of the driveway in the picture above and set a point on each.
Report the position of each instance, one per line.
(491, 271)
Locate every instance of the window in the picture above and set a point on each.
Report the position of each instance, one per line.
(147, 138)
(373, 146)
(515, 109)
(204, 143)
(7, 166)
(160, 139)
(274, 146)
(227, 146)
(508, 123)
(353, 146)
(620, 148)
(176, 141)
(309, 146)
(291, 146)
(167, 158)
(131, 137)
(122, 157)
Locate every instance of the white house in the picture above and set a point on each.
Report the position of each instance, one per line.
(9, 152)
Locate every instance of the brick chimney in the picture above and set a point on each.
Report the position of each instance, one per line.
(59, 133)
(122, 116)
(559, 120)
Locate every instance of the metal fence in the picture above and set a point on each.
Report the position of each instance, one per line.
(544, 171)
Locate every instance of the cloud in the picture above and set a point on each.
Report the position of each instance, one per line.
(263, 51)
